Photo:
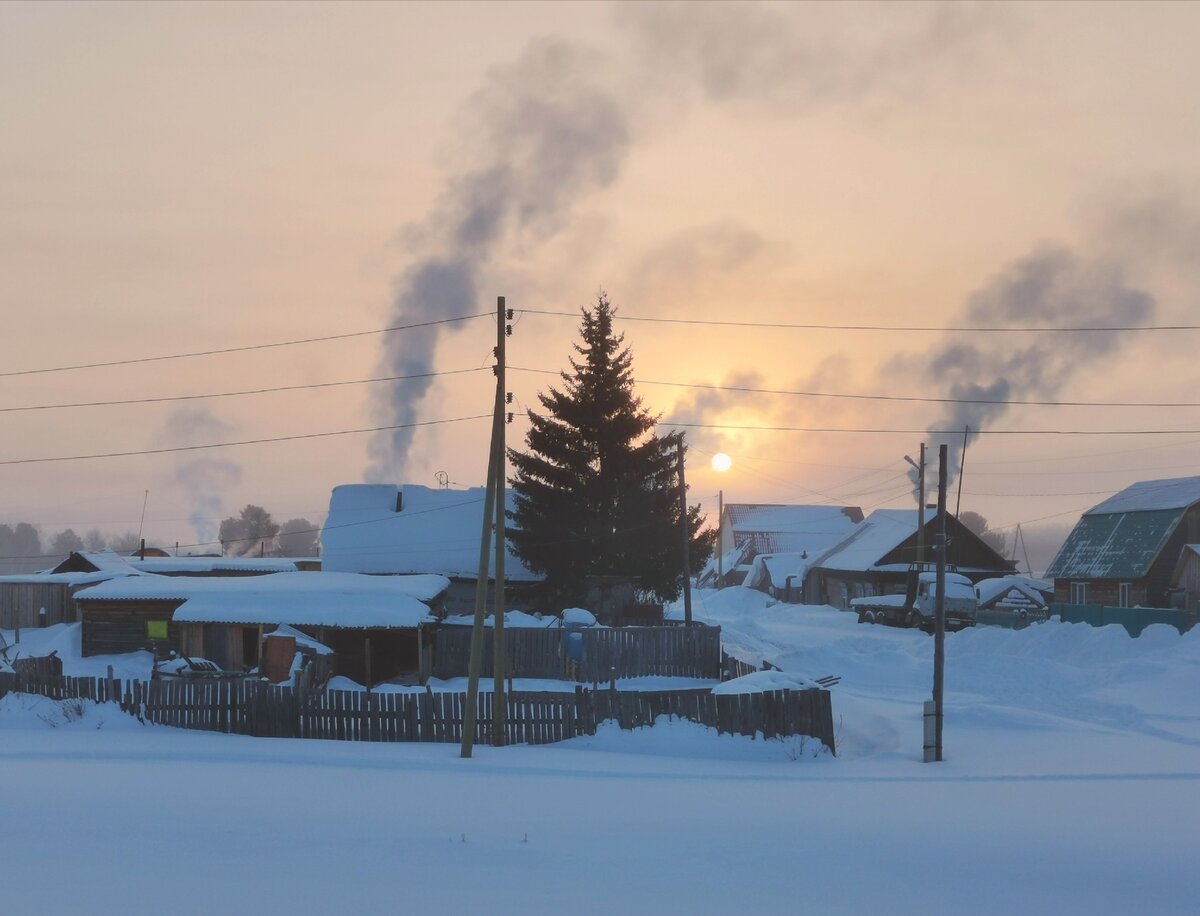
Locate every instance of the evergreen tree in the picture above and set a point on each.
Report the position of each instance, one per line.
(596, 492)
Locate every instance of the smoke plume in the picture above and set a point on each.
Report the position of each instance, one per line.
(548, 133)
(1050, 287)
(550, 129)
(204, 480)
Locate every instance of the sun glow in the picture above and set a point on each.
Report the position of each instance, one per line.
(721, 462)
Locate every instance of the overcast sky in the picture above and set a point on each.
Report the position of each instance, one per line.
(183, 177)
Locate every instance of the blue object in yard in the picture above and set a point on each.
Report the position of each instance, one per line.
(575, 646)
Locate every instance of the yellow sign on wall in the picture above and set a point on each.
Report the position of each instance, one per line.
(156, 629)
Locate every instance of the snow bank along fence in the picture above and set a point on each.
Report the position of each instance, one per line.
(1133, 619)
(250, 707)
(604, 653)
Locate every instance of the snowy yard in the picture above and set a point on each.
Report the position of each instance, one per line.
(1071, 785)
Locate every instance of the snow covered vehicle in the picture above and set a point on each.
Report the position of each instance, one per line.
(917, 606)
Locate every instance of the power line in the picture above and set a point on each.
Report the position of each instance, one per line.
(231, 394)
(942, 432)
(743, 389)
(246, 348)
(776, 325)
(191, 448)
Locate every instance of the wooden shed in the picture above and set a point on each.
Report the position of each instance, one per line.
(376, 625)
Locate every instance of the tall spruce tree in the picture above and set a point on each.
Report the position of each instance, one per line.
(596, 494)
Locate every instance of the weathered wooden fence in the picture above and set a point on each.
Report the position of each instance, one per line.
(528, 652)
(734, 667)
(650, 651)
(619, 652)
(255, 708)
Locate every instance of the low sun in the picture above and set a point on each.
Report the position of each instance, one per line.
(721, 462)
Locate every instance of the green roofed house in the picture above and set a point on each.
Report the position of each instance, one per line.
(1123, 552)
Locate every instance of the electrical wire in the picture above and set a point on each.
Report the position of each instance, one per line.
(249, 391)
(192, 448)
(774, 325)
(942, 432)
(246, 348)
(743, 389)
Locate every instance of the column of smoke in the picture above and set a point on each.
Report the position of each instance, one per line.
(205, 480)
(547, 133)
(550, 128)
(1051, 287)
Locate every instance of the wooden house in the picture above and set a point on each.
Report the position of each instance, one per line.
(390, 530)
(48, 597)
(751, 530)
(1185, 583)
(1126, 551)
(377, 627)
(875, 559)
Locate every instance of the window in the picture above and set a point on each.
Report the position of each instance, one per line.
(156, 629)
(1124, 596)
(1079, 592)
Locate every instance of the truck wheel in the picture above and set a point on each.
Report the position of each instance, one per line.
(862, 616)
(913, 620)
(870, 616)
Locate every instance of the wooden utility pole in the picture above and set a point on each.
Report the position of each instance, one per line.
(720, 556)
(939, 628)
(961, 464)
(921, 508)
(499, 706)
(478, 630)
(686, 537)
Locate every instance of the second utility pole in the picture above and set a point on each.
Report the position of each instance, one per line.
(499, 706)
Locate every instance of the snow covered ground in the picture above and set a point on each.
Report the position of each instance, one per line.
(1071, 785)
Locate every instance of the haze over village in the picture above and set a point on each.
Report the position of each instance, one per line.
(333, 328)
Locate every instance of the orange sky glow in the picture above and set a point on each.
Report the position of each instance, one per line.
(177, 178)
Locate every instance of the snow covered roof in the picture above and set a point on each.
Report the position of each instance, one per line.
(67, 578)
(1152, 496)
(389, 529)
(878, 535)
(748, 518)
(205, 565)
(780, 567)
(1009, 590)
(344, 600)
(1114, 545)
(1122, 537)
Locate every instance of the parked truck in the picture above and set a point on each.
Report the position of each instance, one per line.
(917, 606)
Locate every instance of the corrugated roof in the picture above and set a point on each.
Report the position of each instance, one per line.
(435, 531)
(346, 600)
(882, 532)
(777, 518)
(1152, 496)
(1115, 545)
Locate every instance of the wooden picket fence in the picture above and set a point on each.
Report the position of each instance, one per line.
(251, 707)
(649, 652)
(620, 652)
(532, 653)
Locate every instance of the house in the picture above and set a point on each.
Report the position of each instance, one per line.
(1124, 551)
(875, 559)
(1185, 583)
(390, 530)
(748, 530)
(377, 627)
